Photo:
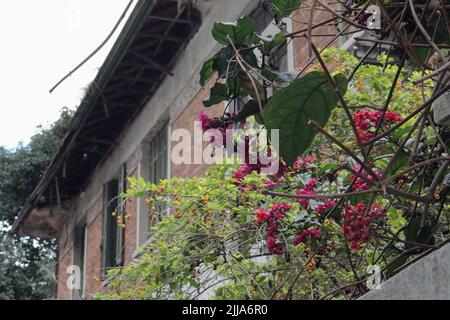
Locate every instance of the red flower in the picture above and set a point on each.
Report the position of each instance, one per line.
(323, 207)
(308, 189)
(273, 245)
(303, 163)
(366, 120)
(358, 222)
(221, 124)
(206, 122)
(262, 215)
(269, 183)
(391, 117)
(276, 213)
(245, 170)
(364, 180)
(313, 233)
(281, 207)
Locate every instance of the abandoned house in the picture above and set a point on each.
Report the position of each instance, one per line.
(147, 87)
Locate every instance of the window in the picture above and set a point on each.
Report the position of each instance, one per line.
(158, 162)
(283, 57)
(79, 257)
(113, 234)
(158, 156)
(153, 167)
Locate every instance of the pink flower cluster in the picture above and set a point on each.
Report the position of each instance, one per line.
(366, 120)
(245, 170)
(309, 189)
(313, 233)
(221, 124)
(303, 163)
(358, 222)
(276, 213)
(363, 179)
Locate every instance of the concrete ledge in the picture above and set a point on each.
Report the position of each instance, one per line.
(427, 279)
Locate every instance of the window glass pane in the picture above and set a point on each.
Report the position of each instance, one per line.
(121, 211)
(110, 224)
(158, 156)
(158, 162)
(79, 256)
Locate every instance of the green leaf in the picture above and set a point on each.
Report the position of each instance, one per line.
(327, 168)
(393, 266)
(227, 69)
(240, 32)
(396, 221)
(234, 87)
(401, 161)
(207, 70)
(425, 235)
(250, 109)
(269, 42)
(311, 97)
(259, 119)
(283, 8)
(412, 232)
(218, 94)
(221, 63)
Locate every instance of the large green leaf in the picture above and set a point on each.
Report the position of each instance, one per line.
(283, 8)
(218, 94)
(234, 87)
(251, 108)
(269, 42)
(227, 68)
(207, 70)
(400, 162)
(311, 97)
(240, 32)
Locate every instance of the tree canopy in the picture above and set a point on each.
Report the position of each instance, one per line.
(27, 265)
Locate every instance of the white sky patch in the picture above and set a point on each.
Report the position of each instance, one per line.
(41, 41)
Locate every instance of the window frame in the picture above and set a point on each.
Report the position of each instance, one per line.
(144, 169)
(79, 257)
(113, 236)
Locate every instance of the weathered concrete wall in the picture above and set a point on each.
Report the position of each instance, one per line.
(427, 279)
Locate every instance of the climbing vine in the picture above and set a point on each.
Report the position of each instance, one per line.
(363, 179)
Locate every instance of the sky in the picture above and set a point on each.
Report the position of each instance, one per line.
(42, 41)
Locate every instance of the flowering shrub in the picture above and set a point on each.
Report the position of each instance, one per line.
(273, 217)
(358, 221)
(363, 181)
(222, 124)
(313, 233)
(366, 120)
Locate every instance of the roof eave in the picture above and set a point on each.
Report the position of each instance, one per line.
(131, 27)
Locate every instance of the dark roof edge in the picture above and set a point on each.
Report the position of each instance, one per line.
(130, 29)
